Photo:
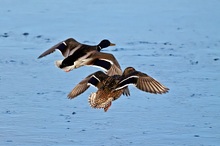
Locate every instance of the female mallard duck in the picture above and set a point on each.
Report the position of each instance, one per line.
(77, 55)
(110, 88)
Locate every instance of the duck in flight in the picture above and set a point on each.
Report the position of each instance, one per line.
(77, 55)
(110, 88)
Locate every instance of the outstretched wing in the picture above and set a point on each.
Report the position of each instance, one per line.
(107, 62)
(49, 51)
(148, 84)
(93, 79)
(97, 79)
(67, 47)
(80, 87)
(143, 82)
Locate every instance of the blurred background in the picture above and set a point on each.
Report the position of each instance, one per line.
(176, 42)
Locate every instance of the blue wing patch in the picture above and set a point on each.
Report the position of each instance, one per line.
(94, 81)
(102, 63)
(127, 81)
(62, 46)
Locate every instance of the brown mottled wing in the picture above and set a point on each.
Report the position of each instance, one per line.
(148, 84)
(49, 51)
(143, 82)
(114, 69)
(94, 79)
(80, 87)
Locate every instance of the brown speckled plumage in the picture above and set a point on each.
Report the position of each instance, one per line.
(106, 93)
(110, 88)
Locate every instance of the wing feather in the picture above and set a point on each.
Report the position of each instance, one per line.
(49, 51)
(66, 47)
(94, 79)
(114, 69)
(143, 82)
(79, 88)
(149, 84)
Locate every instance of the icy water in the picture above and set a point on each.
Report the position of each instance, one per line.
(176, 42)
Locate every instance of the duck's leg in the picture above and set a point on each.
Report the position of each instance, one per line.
(107, 107)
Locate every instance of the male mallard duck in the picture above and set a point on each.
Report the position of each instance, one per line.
(77, 55)
(110, 88)
(70, 45)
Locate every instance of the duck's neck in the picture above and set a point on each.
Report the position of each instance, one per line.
(99, 48)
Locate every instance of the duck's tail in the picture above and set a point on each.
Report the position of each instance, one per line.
(58, 63)
(96, 102)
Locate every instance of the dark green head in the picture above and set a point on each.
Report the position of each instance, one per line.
(104, 44)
